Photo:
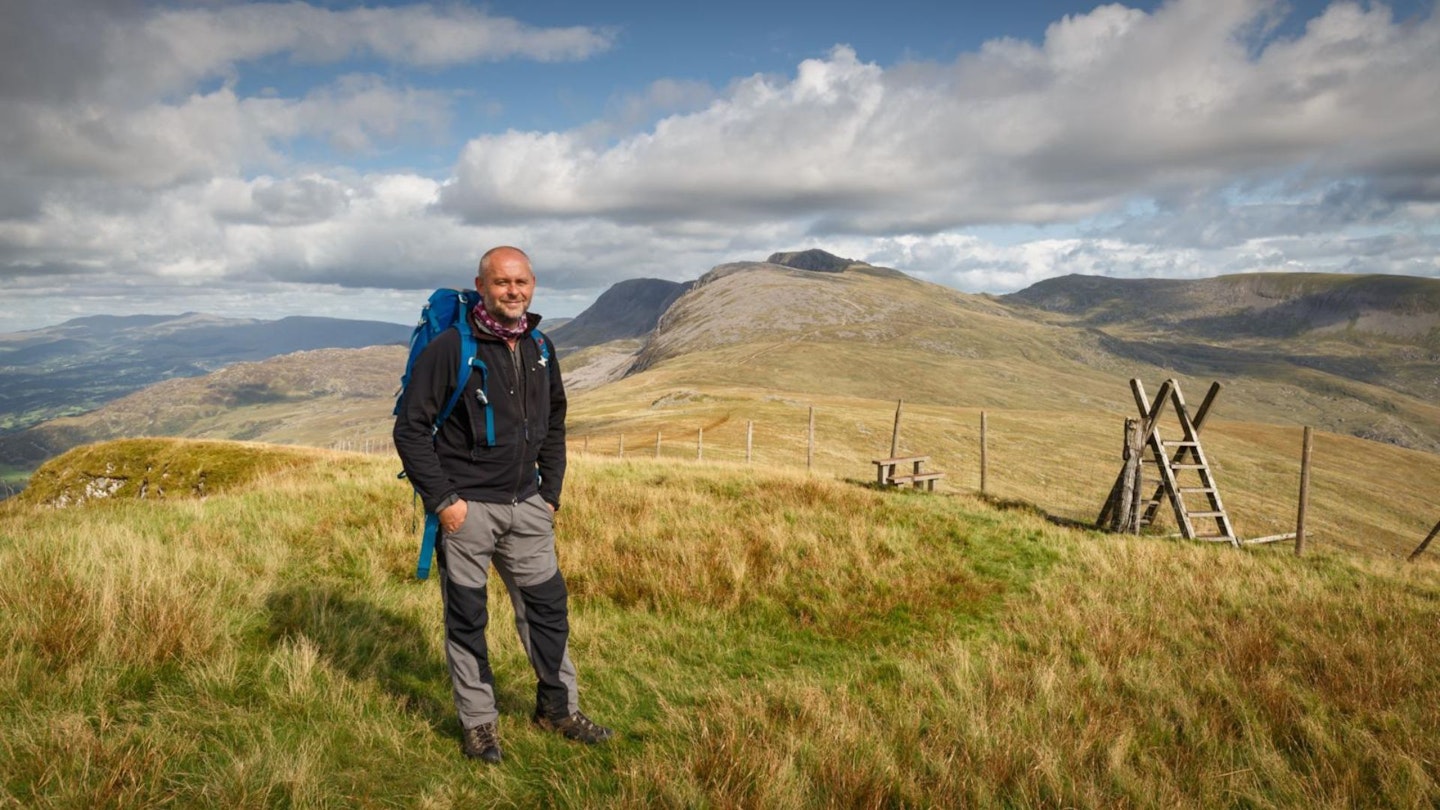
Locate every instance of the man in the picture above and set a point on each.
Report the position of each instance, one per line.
(492, 472)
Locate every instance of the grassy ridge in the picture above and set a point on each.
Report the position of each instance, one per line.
(759, 637)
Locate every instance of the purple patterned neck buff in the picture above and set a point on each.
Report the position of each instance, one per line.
(506, 332)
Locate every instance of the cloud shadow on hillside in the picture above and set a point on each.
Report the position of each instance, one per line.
(1199, 359)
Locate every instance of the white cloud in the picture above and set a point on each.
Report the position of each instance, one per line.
(1112, 105)
(211, 134)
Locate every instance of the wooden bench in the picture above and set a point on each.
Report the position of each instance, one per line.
(926, 478)
(885, 472)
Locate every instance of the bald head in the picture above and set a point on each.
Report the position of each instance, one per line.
(506, 283)
(503, 254)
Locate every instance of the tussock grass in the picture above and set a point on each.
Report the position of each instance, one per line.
(759, 637)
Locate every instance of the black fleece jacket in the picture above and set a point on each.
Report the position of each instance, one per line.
(527, 400)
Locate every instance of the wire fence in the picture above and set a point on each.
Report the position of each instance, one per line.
(1061, 464)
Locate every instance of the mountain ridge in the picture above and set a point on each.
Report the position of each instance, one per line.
(1404, 307)
(871, 332)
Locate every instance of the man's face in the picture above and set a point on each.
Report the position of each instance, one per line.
(507, 286)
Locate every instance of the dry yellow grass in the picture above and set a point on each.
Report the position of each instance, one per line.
(760, 637)
(1366, 497)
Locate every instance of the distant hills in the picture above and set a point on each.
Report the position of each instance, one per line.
(1351, 354)
(1275, 305)
(1357, 355)
(315, 397)
(80, 364)
(1337, 339)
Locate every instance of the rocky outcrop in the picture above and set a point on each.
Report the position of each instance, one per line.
(814, 259)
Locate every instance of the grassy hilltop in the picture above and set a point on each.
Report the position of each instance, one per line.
(759, 636)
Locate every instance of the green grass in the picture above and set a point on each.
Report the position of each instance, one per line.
(156, 469)
(759, 638)
(12, 480)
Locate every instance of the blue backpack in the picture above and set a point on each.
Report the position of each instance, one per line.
(447, 309)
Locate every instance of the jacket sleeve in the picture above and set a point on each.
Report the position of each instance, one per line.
(432, 379)
(552, 451)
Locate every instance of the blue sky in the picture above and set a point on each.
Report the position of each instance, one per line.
(341, 159)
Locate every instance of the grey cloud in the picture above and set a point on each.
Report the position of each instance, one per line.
(171, 49)
(51, 50)
(1218, 219)
(287, 202)
(18, 269)
(129, 51)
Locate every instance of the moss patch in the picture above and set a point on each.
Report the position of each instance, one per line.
(156, 469)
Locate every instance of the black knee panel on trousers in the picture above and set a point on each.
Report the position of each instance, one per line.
(466, 616)
(547, 605)
(548, 612)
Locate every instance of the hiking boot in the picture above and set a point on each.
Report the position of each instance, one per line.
(576, 727)
(481, 742)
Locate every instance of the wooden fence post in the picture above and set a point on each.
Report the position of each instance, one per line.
(810, 442)
(1420, 549)
(1137, 452)
(895, 433)
(657, 444)
(585, 445)
(700, 445)
(1125, 510)
(749, 437)
(984, 457)
(1306, 444)
(622, 445)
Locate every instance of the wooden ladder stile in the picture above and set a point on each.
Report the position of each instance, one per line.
(1188, 461)
(1152, 441)
(1202, 468)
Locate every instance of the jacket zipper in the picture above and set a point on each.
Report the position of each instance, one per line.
(516, 359)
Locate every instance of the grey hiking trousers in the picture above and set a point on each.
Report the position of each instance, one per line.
(520, 540)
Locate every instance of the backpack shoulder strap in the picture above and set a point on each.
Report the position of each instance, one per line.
(468, 349)
(543, 344)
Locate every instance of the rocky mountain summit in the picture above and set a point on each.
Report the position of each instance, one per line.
(629, 309)
(813, 259)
